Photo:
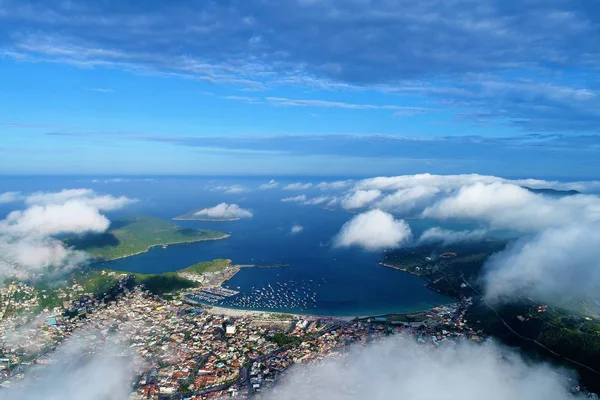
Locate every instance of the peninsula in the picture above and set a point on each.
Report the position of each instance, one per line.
(137, 234)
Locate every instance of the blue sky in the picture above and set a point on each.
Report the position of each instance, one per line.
(344, 87)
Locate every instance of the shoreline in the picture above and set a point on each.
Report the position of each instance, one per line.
(429, 282)
(225, 236)
(234, 312)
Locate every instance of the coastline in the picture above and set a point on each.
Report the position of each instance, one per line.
(237, 312)
(225, 236)
(234, 312)
(429, 282)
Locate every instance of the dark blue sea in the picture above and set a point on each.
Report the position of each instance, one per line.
(320, 279)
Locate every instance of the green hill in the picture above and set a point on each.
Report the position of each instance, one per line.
(133, 235)
(207, 266)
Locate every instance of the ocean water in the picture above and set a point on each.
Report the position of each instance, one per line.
(320, 279)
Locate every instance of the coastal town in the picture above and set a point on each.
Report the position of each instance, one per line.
(181, 350)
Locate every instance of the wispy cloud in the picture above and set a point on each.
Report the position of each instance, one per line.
(532, 68)
(100, 90)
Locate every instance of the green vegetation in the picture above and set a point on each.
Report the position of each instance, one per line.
(567, 332)
(445, 275)
(283, 340)
(207, 266)
(133, 235)
(160, 284)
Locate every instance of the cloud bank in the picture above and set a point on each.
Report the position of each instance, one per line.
(396, 368)
(224, 211)
(373, 230)
(494, 204)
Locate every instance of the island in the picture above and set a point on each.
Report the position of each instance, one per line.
(195, 216)
(137, 234)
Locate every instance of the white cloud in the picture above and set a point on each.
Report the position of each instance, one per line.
(296, 229)
(23, 256)
(225, 211)
(437, 234)
(295, 199)
(105, 369)
(318, 200)
(298, 186)
(335, 185)
(559, 264)
(272, 184)
(87, 196)
(73, 216)
(360, 198)
(230, 189)
(373, 230)
(27, 243)
(507, 206)
(408, 200)
(10, 197)
(396, 368)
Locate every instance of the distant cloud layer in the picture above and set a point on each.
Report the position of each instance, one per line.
(295, 199)
(373, 230)
(225, 211)
(396, 368)
(298, 186)
(230, 189)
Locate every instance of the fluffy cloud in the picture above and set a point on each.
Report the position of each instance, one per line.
(373, 230)
(298, 186)
(225, 211)
(73, 216)
(87, 196)
(272, 184)
(408, 200)
(507, 206)
(295, 199)
(396, 368)
(558, 264)
(230, 189)
(446, 236)
(27, 237)
(359, 199)
(296, 229)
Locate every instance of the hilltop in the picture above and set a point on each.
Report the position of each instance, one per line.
(137, 234)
